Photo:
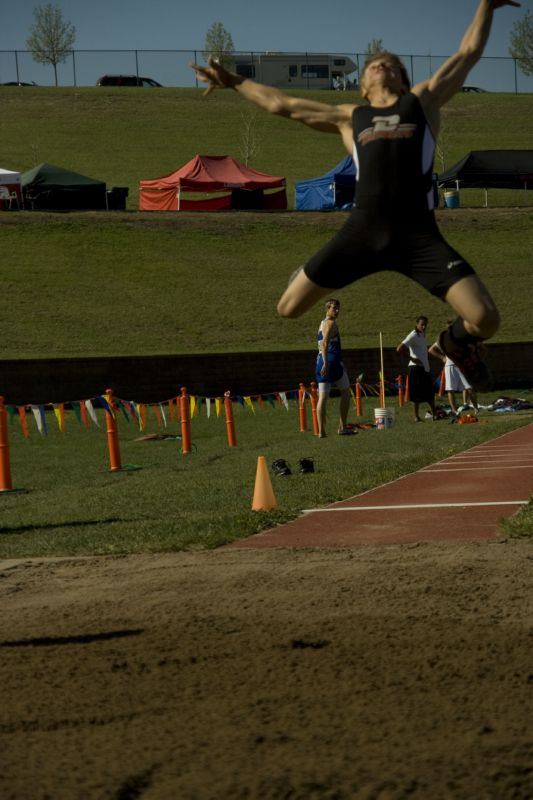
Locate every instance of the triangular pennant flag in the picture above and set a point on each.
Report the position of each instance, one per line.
(283, 398)
(11, 412)
(240, 400)
(208, 406)
(132, 408)
(192, 403)
(122, 407)
(75, 406)
(260, 401)
(104, 402)
(141, 410)
(250, 405)
(59, 411)
(83, 414)
(270, 400)
(218, 405)
(23, 421)
(40, 419)
(157, 413)
(163, 415)
(92, 413)
(171, 409)
(37, 416)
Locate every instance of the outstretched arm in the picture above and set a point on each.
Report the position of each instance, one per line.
(321, 116)
(449, 79)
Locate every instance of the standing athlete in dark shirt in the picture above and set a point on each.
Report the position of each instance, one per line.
(392, 141)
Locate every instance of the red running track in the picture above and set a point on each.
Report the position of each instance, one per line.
(462, 497)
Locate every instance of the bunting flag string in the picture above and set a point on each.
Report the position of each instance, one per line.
(163, 411)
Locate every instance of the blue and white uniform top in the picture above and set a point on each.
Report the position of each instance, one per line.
(335, 365)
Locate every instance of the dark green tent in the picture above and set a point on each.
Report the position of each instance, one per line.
(57, 189)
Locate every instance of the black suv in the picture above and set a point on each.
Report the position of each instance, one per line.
(126, 80)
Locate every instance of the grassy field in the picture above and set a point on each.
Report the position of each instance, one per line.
(133, 284)
(123, 136)
(74, 505)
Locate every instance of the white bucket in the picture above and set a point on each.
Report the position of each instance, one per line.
(384, 418)
(451, 198)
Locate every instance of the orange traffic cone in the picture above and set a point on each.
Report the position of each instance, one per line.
(264, 498)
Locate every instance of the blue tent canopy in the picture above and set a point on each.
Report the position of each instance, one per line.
(335, 189)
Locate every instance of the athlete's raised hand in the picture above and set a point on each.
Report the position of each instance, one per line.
(215, 75)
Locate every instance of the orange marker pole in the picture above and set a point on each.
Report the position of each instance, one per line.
(5, 468)
(314, 403)
(406, 393)
(382, 373)
(442, 383)
(399, 381)
(302, 409)
(185, 414)
(358, 400)
(112, 434)
(230, 425)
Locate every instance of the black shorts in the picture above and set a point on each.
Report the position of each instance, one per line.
(421, 388)
(369, 242)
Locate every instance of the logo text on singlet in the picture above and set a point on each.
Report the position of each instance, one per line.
(387, 128)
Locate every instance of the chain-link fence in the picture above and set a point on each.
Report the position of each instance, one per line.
(313, 70)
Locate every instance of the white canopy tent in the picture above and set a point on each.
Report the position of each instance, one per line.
(10, 188)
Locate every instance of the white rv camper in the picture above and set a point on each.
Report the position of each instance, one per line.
(298, 70)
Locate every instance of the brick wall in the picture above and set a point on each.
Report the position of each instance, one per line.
(157, 378)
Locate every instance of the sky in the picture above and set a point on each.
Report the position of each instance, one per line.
(418, 27)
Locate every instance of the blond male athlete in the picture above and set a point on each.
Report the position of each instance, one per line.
(330, 370)
(392, 140)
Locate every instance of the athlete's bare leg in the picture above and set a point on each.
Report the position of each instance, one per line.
(321, 413)
(344, 407)
(472, 302)
(300, 295)
(478, 319)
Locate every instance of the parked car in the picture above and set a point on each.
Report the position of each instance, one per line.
(472, 89)
(18, 83)
(126, 80)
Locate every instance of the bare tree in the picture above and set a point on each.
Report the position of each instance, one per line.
(219, 44)
(522, 43)
(51, 37)
(250, 140)
(375, 46)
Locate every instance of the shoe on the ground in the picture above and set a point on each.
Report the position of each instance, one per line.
(280, 467)
(468, 359)
(347, 432)
(306, 465)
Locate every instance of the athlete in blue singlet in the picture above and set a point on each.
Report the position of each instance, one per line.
(392, 140)
(330, 371)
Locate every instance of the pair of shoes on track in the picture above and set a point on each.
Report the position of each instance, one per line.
(280, 467)
(468, 359)
(347, 432)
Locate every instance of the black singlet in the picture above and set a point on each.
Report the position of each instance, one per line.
(392, 226)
